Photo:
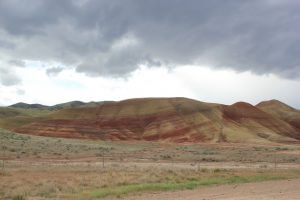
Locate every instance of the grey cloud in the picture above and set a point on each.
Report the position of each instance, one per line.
(54, 71)
(17, 63)
(8, 78)
(6, 45)
(22, 18)
(116, 62)
(257, 35)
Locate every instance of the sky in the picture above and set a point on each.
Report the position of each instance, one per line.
(54, 51)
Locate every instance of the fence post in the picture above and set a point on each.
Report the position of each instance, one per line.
(103, 161)
(3, 157)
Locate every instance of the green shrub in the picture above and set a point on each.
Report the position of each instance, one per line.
(19, 197)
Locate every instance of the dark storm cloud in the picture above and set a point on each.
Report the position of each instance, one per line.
(6, 45)
(113, 37)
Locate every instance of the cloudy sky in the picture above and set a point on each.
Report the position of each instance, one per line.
(223, 51)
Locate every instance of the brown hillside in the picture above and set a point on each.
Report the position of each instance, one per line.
(164, 119)
(281, 111)
(259, 122)
(175, 120)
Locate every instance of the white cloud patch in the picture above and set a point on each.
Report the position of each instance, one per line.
(202, 83)
(8, 77)
(20, 92)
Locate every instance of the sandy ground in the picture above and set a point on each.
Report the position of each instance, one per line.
(271, 190)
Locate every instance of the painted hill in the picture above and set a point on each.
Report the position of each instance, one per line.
(281, 111)
(163, 119)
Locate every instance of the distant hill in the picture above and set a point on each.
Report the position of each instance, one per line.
(29, 106)
(78, 104)
(165, 119)
(71, 104)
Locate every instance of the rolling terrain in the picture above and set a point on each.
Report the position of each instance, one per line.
(157, 119)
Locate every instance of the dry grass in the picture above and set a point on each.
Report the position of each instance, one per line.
(20, 146)
(40, 168)
(65, 181)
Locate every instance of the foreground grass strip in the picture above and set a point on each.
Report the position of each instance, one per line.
(188, 185)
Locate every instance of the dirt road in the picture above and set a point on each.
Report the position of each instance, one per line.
(271, 190)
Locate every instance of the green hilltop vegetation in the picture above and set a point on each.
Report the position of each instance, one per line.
(71, 104)
(10, 117)
(23, 113)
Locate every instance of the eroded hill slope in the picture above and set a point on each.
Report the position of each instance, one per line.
(164, 119)
(281, 111)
